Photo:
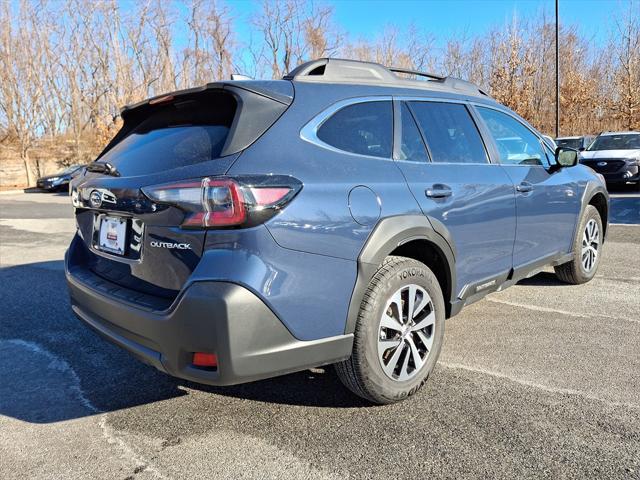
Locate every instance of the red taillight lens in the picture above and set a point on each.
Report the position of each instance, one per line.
(225, 202)
(268, 196)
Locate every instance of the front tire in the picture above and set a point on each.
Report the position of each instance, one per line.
(398, 335)
(587, 250)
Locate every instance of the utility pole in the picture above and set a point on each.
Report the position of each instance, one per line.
(557, 72)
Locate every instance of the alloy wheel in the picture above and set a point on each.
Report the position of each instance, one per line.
(406, 332)
(590, 245)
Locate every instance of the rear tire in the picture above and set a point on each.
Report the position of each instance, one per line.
(394, 351)
(587, 250)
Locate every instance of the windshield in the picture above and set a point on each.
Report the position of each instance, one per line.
(569, 142)
(616, 142)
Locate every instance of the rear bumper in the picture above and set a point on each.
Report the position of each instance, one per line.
(209, 316)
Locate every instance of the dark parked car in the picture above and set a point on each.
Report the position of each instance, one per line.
(247, 229)
(616, 156)
(578, 142)
(59, 181)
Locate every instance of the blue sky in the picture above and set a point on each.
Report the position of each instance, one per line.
(364, 18)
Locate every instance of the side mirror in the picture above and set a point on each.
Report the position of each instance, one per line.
(582, 149)
(566, 157)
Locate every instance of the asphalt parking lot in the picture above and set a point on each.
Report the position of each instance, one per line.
(541, 380)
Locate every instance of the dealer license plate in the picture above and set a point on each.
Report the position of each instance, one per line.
(112, 234)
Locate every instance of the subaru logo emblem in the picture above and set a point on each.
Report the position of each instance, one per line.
(95, 199)
(602, 164)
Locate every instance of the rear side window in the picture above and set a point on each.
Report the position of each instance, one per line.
(362, 128)
(517, 145)
(451, 134)
(183, 133)
(412, 147)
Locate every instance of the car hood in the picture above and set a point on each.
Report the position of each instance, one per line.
(597, 154)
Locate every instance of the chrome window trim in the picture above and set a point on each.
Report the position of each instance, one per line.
(309, 132)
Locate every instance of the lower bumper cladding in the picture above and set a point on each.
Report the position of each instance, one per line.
(247, 339)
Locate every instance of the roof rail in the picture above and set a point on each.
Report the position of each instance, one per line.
(338, 70)
(408, 71)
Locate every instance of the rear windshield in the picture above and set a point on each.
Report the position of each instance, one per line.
(629, 141)
(182, 133)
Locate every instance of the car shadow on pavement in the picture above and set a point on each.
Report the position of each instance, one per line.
(53, 368)
(319, 387)
(543, 279)
(57, 193)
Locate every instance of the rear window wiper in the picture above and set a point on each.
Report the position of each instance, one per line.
(105, 168)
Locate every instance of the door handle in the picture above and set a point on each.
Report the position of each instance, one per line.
(438, 191)
(524, 187)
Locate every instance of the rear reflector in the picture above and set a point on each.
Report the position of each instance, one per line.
(202, 359)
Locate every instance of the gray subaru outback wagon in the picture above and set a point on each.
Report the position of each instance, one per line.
(246, 229)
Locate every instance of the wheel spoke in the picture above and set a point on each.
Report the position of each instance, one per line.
(415, 354)
(411, 301)
(393, 361)
(386, 344)
(426, 341)
(424, 301)
(404, 374)
(425, 322)
(390, 322)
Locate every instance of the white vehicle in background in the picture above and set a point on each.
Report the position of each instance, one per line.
(616, 156)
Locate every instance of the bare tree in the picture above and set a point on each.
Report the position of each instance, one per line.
(21, 88)
(66, 68)
(292, 32)
(625, 45)
(212, 43)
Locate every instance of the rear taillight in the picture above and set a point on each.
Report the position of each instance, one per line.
(227, 202)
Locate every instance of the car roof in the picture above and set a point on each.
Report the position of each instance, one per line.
(571, 138)
(355, 72)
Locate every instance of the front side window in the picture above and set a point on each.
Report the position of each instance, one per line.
(362, 128)
(450, 133)
(517, 145)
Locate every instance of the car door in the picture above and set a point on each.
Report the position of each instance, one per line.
(445, 162)
(547, 201)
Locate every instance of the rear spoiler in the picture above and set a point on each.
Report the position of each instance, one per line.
(262, 101)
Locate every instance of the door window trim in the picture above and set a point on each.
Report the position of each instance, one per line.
(309, 132)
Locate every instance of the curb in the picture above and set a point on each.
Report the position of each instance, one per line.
(11, 192)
